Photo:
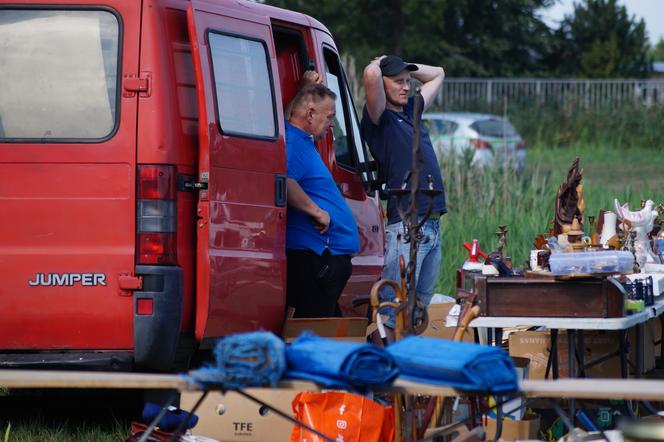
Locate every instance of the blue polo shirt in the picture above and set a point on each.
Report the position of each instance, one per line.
(391, 143)
(305, 166)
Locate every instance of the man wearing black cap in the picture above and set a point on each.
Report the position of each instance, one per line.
(387, 126)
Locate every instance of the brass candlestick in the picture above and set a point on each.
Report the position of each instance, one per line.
(501, 233)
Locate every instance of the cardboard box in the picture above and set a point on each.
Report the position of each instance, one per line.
(652, 332)
(437, 329)
(536, 345)
(344, 329)
(526, 429)
(234, 418)
(513, 408)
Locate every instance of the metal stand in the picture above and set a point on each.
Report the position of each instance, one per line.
(411, 317)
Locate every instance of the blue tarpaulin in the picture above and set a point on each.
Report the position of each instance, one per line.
(460, 365)
(339, 364)
(245, 360)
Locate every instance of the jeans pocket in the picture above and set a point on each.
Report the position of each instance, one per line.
(427, 234)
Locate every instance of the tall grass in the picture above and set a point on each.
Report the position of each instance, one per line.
(479, 200)
(628, 126)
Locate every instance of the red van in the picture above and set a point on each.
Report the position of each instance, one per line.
(142, 176)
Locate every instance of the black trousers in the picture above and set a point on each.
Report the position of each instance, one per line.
(315, 282)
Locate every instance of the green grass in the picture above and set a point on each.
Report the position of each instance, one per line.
(36, 429)
(65, 415)
(480, 201)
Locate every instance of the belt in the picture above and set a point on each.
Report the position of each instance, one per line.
(434, 218)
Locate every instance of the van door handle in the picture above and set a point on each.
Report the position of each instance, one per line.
(280, 190)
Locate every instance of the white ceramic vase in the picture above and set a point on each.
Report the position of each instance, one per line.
(608, 227)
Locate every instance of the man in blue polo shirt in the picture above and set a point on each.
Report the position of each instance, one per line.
(387, 126)
(321, 234)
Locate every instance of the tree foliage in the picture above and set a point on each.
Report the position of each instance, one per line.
(657, 52)
(600, 40)
(468, 37)
(484, 38)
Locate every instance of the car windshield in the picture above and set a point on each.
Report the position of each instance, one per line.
(495, 127)
(439, 128)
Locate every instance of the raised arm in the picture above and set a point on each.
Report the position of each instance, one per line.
(432, 78)
(298, 199)
(308, 77)
(374, 89)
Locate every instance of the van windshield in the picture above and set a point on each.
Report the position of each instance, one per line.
(58, 74)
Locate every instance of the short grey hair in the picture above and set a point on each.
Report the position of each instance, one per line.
(314, 93)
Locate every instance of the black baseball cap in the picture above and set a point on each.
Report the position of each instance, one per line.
(393, 65)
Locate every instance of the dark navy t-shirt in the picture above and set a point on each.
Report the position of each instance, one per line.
(391, 143)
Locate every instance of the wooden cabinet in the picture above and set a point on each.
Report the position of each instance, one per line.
(546, 297)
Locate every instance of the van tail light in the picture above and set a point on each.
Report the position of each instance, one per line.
(521, 144)
(156, 215)
(480, 144)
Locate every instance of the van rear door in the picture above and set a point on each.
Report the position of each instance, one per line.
(241, 261)
(67, 160)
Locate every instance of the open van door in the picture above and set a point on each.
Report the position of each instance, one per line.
(241, 261)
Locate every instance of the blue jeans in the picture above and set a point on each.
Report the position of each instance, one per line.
(428, 262)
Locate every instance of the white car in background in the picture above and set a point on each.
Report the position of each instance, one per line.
(490, 138)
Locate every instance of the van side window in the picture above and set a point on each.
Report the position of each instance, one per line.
(343, 130)
(243, 85)
(59, 74)
(348, 145)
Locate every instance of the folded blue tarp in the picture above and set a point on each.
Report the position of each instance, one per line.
(339, 364)
(245, 360)
(460, 365)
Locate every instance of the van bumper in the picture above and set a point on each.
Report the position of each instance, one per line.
(156, 334)
(68, 360)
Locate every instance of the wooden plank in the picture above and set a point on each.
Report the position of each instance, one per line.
(637, 389)
(89, 379)
(626, 389)
(95, 379)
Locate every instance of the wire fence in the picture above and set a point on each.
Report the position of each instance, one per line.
(459, 94)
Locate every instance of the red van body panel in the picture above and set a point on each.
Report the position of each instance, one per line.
(67, 209)
(69, 216)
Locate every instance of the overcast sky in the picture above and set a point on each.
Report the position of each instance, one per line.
(652, 11)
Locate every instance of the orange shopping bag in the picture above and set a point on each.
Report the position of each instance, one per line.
(342, 416)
